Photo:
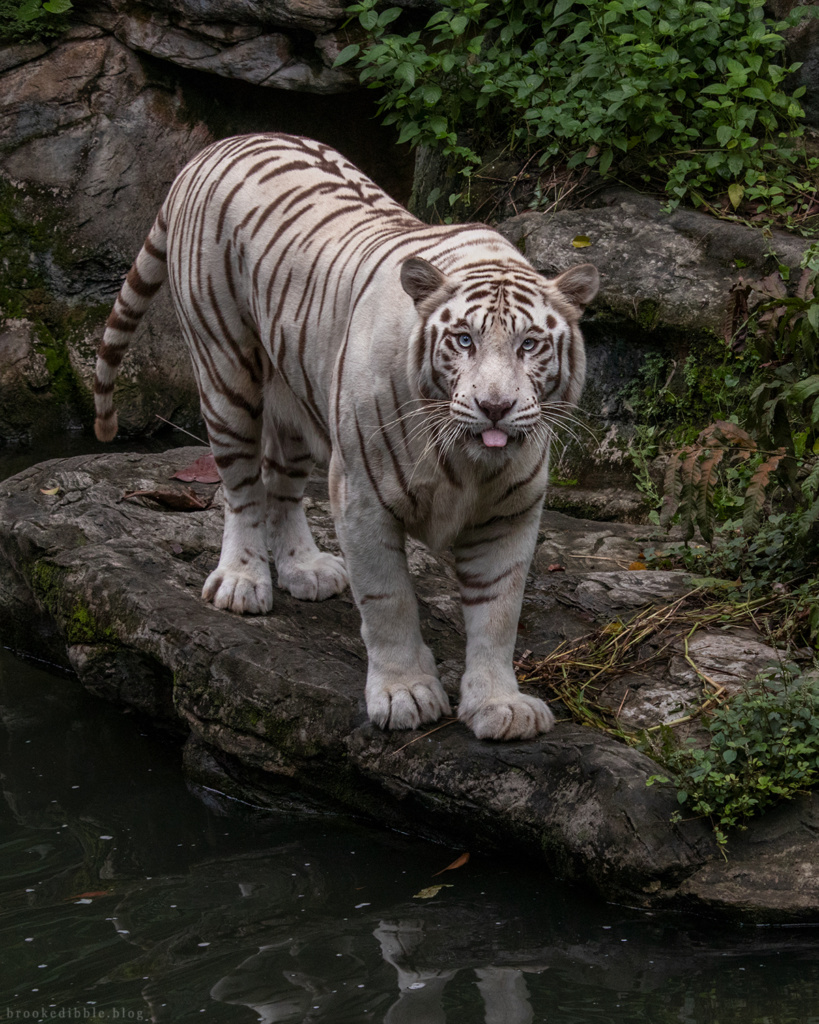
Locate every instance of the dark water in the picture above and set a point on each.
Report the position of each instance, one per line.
(14, 459)
(125, 896)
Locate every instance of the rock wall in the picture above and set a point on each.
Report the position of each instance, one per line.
(93, 130)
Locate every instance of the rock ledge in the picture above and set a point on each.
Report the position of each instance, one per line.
(111, 588)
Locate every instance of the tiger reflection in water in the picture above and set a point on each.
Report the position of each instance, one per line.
(314, 992)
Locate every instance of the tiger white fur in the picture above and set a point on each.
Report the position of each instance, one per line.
(427, 364)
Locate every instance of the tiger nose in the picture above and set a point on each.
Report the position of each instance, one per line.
(495, 412)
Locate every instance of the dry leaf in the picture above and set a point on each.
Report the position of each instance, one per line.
(458, 863)
(202, 471)
(805, 289)
(432, 890)
(49, 490)
(184, 500)
(556, 568)
(735, 321)
(581, 241)
(88, 895)
(771, 285)
(636, 566)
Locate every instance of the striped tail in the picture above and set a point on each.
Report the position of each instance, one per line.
(144, 280)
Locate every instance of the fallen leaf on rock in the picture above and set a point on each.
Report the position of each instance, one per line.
(556, 568)
(581, 241)
(432, 890)
(185, 500)
(88, 895)
(202, 471)
(49, 490)
(457, 863)
(636, 566)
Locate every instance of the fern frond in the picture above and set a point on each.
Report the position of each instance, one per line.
(755, 495)
(690, 477)
(705, 492)
(808, 518)
(810, 485)
(726, 433)
(672, 488)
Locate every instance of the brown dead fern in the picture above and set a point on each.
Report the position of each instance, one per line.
(692, 474)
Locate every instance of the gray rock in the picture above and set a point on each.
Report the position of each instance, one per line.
(576, 545)
(311, 15)
(247, 52)
(659, 270)
(112, 588)
(88, 142)
(13, 56)
(24, 380)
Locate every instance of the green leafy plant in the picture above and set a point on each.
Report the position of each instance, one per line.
(782, 410)
(689, 94)
(764, 748)
(32, 20)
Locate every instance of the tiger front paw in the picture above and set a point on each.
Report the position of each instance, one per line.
(315, 578)
(512, 717)
(406, 703)
(242, 593)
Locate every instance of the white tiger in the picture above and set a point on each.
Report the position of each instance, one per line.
(427, 364)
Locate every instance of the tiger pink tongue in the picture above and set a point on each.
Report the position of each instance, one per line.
(494, 438)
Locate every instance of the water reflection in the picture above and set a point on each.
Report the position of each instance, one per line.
(124, 896)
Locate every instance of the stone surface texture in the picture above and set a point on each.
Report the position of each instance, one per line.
(214, 42)
(111, 587)
(76, 126)
(92, 133)
(661, 270)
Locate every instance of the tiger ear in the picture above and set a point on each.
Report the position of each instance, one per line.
(579, 284)
(420, 279)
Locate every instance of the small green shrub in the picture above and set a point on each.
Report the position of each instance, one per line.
(32, 20)
(764, 749)
(689, 93)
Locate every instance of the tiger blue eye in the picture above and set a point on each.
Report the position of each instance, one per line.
(465, 340)
(528, 344)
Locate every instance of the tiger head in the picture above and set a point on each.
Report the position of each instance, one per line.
(502, 357)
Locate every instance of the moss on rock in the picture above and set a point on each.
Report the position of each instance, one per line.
(39, 268)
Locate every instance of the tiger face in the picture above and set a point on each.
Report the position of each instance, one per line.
(502, 353)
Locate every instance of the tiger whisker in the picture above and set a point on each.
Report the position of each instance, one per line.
(403, 416)
(437, 429)
(568, 426)
(564, 431)
(562, 412)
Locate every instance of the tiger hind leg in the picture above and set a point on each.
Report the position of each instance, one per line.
(231, 393)
(306, 572)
